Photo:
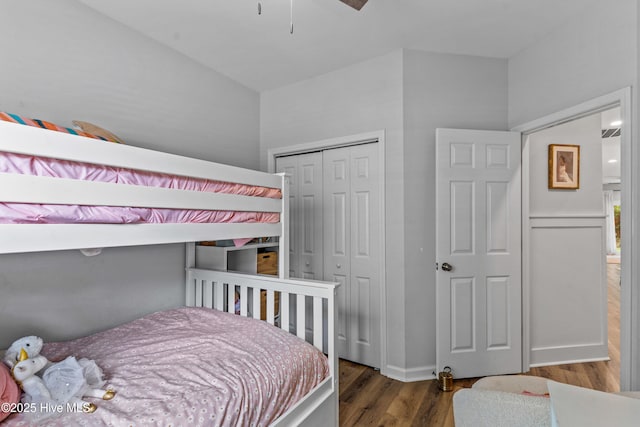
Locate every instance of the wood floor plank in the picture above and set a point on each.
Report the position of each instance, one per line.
(350, 372)
(404, 408)
(389, 420)
(433, 412)
(371, 406)
(370, 399)
(358, 386)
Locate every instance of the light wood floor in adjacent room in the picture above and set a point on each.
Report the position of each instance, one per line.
(370, 399)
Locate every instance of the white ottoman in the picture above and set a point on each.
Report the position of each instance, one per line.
(520, 384)
(503, 401)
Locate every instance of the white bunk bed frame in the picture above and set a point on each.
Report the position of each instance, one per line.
(203, 288)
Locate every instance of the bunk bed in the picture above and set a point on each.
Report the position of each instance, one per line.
(253, 213)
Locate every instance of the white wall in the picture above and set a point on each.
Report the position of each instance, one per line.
(591, 55)
(409, 94)
(568, 287)
(61, 61)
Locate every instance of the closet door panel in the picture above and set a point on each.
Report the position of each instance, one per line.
(365, 258)
(352, 224)
(311, 236)
(305, 193)
(337, 217)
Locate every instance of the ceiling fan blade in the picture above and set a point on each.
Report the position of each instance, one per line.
(356, 4)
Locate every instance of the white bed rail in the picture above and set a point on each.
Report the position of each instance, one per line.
(285, 303)
(16, 188)
(21, 139)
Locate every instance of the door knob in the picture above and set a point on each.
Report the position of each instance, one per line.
(446, 266)
(338, 265)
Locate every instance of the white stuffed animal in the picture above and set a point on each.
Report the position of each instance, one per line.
(36, 391)
(72, 379)
(25, 374)
(31, 344)
(64, 382)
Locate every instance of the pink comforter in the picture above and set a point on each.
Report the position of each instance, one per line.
(61, 214)
(193, 366)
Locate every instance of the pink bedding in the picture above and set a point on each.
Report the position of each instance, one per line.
(193, 366)
(59, 214)
(9, 392)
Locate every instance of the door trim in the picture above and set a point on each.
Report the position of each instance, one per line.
(629, 355)
(345, 141)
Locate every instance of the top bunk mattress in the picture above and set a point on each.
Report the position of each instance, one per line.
(49, 213)
(27, 213)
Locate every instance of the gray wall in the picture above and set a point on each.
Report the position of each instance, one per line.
(408, 93)
(61, 61)
(63, 294)
(589, 199)
(362, 98)
(439, 91)
(635, 260)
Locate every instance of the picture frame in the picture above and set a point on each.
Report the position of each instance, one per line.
(564, 167)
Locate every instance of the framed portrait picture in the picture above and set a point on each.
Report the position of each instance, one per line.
(564, 166)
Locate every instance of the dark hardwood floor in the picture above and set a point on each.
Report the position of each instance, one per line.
(370, 399)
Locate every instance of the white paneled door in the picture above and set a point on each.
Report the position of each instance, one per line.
(335, 235)
(351, 250)
(478, 251)
(304, 172)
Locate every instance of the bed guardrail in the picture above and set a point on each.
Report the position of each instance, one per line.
(24, 188)
(281, 302)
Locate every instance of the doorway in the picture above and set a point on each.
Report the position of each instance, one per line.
(574, 308)
(575, 226)
(612, 128)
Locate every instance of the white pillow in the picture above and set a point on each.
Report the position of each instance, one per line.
(573, 406)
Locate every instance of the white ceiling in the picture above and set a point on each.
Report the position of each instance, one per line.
(259, 52)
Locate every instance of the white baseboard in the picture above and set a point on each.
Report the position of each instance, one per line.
(567, 362)
(411, 374)
(562, 355)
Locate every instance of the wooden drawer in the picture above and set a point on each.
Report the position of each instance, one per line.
(268, 263)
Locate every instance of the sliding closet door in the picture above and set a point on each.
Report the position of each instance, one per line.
(305, 205)
(351, 247)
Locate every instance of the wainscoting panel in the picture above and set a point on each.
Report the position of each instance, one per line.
(568, 289)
